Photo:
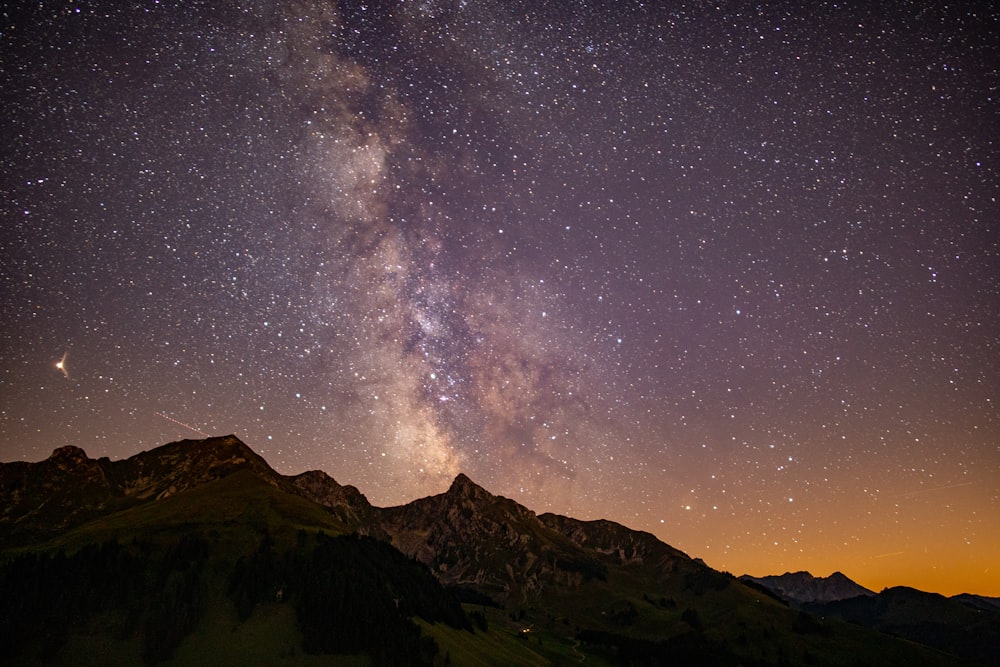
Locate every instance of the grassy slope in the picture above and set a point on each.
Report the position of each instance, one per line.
(232, 514)
(750, 624)
(238, 506)
(506, 643)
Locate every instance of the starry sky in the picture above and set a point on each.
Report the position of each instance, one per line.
(729, 273)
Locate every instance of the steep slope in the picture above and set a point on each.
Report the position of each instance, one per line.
(601, 591)
(469, 536)
(345, 502)
(69, 488)
(214, 545)
(238, 507)
(177, 466)
(617, 544)
(42, 498)
(802, 588)
(211, 544)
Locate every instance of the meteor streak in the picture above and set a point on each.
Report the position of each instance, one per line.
(180, 423)
(944, 487)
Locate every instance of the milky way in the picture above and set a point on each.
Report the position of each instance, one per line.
(729, 275)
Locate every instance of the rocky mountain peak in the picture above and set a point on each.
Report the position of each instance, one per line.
(69, 454)
(803, 587)
(345, 502)
(464, 487)
(222, 447)
(181, 465)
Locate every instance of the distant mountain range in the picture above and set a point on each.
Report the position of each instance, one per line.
(801, 587)
(964, 624)
(198, 551)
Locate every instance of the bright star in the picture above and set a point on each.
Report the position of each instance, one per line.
(61, 365)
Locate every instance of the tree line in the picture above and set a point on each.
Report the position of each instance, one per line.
(351, 595)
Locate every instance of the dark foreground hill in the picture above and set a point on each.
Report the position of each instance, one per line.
(963, 626)
(198, 552)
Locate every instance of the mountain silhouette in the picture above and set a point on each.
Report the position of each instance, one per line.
(802, 587)
(199, 551)
(963, 627)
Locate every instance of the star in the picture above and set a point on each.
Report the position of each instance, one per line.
(61, 365)
(585, 254)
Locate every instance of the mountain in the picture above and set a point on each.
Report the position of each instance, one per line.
(68, 488)
(965, 625)
(799, 588)
(471, 537)
(345, 502)
(620, 545)
(198, 552)
(969, 631)
(978, 601)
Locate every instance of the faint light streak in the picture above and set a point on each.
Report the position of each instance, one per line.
(945, 487)
(180, 423)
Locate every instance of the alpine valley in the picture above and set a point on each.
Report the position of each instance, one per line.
(198, 552)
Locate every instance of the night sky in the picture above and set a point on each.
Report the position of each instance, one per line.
(726, 273)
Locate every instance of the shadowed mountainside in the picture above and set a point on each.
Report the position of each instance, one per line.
(68, 488)
(208, 536)
(971, 631)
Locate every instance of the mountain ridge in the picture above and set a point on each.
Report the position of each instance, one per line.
(950, 624)
(802, 587)
(105, 485)
(69, 488)
(595, 588)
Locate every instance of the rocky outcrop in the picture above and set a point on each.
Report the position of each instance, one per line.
(344, 502)
(469, 536)
(178, 466)
(623, 546)
(466, 535)
(69, 488)
(63, 490)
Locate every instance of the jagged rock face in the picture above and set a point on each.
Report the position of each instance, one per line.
(61, 491)
(469, 536)
(622, 545)
(68, 457)
(465, 535)
(320, 488)
(344, 502)
(802, 587)
(182, 465)
(70, 488)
